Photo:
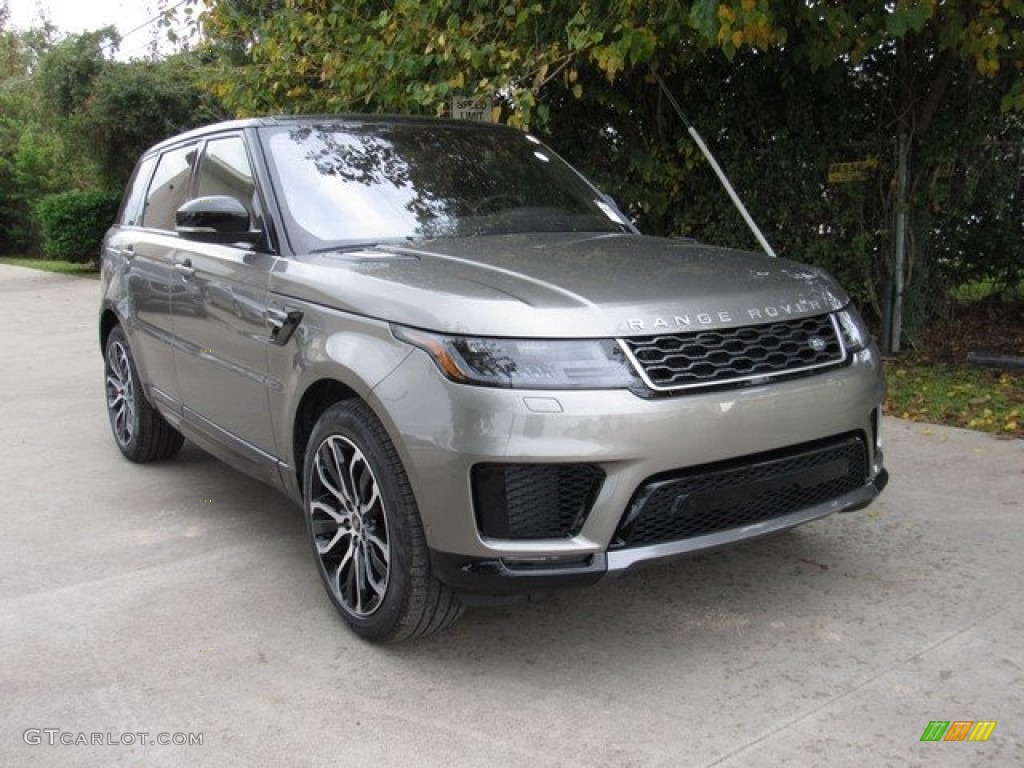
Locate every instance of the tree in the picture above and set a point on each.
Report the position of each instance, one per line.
(112, 111)
(31, 160)
(72, 118)
(131, 106)
(948, 76)
(780, 88)
(373, 55)
(68, 70)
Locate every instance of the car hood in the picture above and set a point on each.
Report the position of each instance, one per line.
(559, 285)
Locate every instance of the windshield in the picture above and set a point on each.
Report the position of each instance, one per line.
(344, 184)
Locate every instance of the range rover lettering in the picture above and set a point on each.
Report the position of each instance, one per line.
(475, 376)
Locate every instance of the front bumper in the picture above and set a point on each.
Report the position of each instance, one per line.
(513, 577)
(630, 439)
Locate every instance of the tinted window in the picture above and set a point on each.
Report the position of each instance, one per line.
(225, 170)
(346, 183)
(131, 214)
(169, 187)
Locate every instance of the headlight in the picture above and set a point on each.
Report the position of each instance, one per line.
(525, 363)
(855, 333)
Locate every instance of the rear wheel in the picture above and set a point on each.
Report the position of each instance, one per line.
(141, 432)
(366, 532)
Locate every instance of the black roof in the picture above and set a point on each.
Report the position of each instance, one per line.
(351, 119)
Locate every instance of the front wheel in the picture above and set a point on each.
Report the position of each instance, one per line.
(366, 532)
(141, 432)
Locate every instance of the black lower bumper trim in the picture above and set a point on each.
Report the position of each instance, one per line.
(489, 576)
(879, 482)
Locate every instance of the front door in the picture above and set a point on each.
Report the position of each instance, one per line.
(221, 329)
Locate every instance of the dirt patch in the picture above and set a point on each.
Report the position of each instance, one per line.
(987, 326)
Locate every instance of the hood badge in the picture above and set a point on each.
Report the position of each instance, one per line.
(754, 314)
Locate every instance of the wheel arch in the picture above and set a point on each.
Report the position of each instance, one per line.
(108, 321)
(318, 397)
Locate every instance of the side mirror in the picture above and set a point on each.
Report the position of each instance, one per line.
(215, 219)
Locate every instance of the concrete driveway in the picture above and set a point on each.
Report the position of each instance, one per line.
(180, 598)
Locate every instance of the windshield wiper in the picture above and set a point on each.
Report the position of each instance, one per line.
(361, 245)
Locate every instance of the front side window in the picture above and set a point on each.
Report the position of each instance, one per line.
(169, 188)
(225, 170)
(342, 184)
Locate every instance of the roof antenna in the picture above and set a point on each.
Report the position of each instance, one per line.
(714, 166)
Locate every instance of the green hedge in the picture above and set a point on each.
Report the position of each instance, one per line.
(73, 223)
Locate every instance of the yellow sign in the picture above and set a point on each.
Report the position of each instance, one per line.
(474, 108)
(859, 170)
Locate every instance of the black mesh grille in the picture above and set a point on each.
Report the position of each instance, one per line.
(533, 501)
(722, 496)
(709, 358)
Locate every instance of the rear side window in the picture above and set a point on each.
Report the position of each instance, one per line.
(225, 170)
(134, 204)
(169, 188)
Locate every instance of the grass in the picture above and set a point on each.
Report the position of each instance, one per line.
(47, 265)
(961, 396)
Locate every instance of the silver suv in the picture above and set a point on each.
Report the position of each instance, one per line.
(465, 364)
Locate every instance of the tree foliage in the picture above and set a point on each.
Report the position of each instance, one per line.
(780, 88)
(73, 118)
(32, 158)
(73, 223)
(133, 105)
(68, 70)
(115, 110)
(289, 55)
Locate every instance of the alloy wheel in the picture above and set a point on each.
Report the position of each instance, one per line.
(350, 526)
(120, 393)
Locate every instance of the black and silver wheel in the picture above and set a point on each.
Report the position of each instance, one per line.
(366, 531)
(350, 526)
(141, 432)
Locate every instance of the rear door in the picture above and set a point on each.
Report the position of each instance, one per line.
(222, 336)
(147, 243)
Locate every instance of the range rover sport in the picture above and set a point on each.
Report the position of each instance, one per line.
(466, 365)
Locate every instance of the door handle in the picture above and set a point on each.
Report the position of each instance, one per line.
(185, 268)
(127, 252)
(282, 324)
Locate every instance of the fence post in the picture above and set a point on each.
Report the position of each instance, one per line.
(900, 244)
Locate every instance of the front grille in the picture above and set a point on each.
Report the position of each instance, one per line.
(734, 355)
(534, 501)
(726, 495)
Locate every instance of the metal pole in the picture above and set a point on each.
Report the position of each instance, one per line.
(715, 167)
(888, 300)
(732, 192)
(900, 246)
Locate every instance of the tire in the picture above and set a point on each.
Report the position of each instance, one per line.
(366, 532)
(140, 431)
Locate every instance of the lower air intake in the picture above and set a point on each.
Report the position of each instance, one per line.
(726, 495)
(534, 501)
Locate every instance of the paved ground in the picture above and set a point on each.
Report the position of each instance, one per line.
(181, 598)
